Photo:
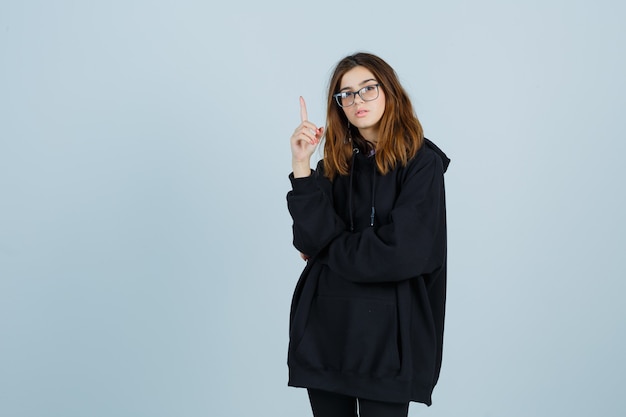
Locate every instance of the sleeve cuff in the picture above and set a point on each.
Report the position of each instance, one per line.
(303, 185)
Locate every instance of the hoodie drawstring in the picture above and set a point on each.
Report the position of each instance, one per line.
(355, 151)
(373, 194)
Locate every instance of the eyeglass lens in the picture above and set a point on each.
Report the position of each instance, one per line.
(367, 93)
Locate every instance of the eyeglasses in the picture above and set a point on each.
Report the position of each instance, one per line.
(367, 93)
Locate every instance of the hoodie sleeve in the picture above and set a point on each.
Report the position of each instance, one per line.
(412, 243)
(315, 222)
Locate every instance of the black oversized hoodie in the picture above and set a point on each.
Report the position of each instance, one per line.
(367, 315)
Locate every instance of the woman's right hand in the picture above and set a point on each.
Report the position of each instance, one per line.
(303, 143)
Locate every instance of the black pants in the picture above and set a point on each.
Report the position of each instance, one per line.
(329, 404)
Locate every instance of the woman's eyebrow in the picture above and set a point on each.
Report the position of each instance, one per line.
(363, 82)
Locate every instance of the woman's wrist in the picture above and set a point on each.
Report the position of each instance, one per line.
(301, 169)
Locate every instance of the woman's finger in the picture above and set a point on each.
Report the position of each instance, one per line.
(303, 113)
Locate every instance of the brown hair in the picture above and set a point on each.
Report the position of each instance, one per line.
(401, 134)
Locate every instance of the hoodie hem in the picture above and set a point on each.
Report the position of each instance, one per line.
(380, 389)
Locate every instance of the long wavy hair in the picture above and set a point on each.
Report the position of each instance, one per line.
(400, 133)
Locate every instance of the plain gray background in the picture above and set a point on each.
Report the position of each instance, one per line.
(146, 266)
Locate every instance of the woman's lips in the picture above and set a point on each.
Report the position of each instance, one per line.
(360, 113)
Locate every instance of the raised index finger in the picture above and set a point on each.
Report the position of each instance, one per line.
(303, 113)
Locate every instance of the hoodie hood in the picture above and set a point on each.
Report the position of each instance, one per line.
(442, 155)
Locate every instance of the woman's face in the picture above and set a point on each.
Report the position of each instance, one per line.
(364, 114)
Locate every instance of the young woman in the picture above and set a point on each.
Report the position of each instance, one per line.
(366, 328)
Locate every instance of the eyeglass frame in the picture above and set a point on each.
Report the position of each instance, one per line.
(337, 96)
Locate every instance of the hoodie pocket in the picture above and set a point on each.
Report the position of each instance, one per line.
(351, 335)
